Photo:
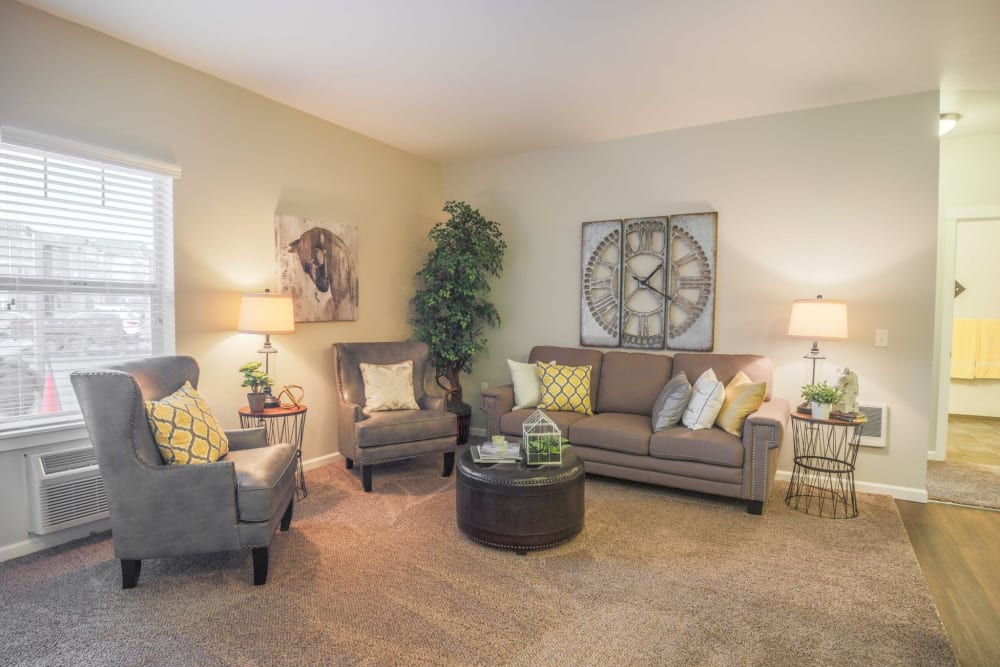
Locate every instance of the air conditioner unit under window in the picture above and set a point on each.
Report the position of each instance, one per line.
(64, 490)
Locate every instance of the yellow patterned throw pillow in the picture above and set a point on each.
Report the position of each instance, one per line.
(184, 428)
(389, 387)
(565, 388)
(743, 397)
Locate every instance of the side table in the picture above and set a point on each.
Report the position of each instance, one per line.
(823, 477)
(282, 425)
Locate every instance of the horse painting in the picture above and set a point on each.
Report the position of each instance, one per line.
(318, 266)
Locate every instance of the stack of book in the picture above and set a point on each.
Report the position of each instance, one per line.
(489, 452)
(852, 417)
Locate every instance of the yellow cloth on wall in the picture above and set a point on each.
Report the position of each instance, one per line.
(964, 347)
(988, 354)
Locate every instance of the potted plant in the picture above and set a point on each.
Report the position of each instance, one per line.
(450, 309)
(821, 396)
(257, 381)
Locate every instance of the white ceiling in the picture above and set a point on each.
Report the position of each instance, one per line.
(455, 80)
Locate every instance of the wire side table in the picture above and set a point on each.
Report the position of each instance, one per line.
(282, 425)
(823, 477)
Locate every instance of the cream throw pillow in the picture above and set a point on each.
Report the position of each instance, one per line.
(527, 386)
(707, 396)
(742, 398)
(389, 387)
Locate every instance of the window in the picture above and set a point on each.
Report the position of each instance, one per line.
(86, 269)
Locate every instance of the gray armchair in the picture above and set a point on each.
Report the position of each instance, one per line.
(379, 437)
(160, 510)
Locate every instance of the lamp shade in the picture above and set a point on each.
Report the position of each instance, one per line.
(818, 318)
(265, 313)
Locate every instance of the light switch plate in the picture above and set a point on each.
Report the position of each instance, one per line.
(881, 338)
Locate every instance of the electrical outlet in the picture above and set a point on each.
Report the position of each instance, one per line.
(483, 386)
(881, 338)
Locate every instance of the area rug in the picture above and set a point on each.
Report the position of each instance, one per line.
(964, 483)
(656, 578)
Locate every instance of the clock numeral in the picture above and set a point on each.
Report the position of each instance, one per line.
(681, 261)
(602, 284)
(694, 282)
(684, 304)
(606, 303)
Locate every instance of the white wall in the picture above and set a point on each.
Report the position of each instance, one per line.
(970, 178)
(244, 157)
(840, 201)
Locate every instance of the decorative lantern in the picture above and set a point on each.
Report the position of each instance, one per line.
(542, 440)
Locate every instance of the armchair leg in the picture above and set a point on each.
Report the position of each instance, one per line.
(755, 507)
(259, 555)
(348, 463)
(286, 520)
(366, 477)
(130, 572)
(449, 463)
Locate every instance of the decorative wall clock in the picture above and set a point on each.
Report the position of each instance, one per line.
(649, 283)
(600, 314)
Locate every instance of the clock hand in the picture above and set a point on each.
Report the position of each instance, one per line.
(658, 267)
(657, 291)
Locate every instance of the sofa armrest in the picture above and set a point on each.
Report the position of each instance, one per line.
(496, 401)
(774, 414)
(763, 431)
(247, 438)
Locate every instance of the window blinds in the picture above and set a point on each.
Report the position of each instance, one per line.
(86, 270)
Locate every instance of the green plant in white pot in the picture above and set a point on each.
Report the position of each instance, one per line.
(821, 396)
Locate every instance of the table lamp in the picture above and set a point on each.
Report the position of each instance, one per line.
(266, 313)
(818, 318)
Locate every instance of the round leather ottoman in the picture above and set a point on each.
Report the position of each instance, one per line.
(513, 506)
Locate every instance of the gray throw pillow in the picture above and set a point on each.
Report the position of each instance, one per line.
(670, 404)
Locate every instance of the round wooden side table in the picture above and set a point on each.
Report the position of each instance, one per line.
(282, 425)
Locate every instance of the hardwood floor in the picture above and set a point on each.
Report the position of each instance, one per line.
(957, 548)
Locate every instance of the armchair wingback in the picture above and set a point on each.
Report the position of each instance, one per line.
(378, 437)
(160, 510)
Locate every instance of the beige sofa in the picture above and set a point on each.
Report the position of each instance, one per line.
(618, 440)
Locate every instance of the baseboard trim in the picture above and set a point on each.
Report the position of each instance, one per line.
(897, 492)
(475, 430)
(40, 542)
(320, 461)
(935, 456)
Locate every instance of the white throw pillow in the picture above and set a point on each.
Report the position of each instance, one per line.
(527, 387)
(389, 387)
(707, 397)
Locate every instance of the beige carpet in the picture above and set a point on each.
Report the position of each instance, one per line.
(964, 483)
(656, 578)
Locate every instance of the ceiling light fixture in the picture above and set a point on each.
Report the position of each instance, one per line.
(947, 123)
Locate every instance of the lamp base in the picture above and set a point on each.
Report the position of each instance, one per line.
(270, 401)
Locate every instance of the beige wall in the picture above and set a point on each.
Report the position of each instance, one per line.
(970, 178)
(840, 201)
(244, 157)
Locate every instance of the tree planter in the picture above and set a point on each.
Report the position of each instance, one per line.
(464, 413)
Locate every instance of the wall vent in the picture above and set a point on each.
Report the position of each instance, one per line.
(64, 490)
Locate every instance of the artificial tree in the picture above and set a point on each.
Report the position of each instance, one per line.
(451, 309)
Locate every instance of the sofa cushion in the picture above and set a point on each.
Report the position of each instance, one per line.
(742, 398)
(707, 396)
(671, 402)
(572, 356)
(630, 381)
(511, 423)
(757, 368)
(713, 446)
(616, 431)
(565, 388)
(387, 428)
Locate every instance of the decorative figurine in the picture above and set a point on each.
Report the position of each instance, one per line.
(848, 384)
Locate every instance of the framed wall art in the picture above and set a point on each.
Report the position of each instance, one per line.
(649, 283)
(317, 264)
